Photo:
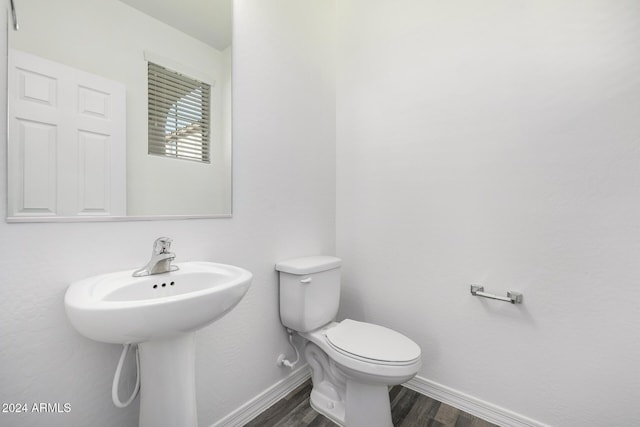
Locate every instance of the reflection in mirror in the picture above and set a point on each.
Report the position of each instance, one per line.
(119, 109)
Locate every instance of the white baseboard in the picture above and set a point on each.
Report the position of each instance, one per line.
(266, 399)
(474, 406)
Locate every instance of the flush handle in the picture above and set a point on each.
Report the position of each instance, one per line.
(306, 280)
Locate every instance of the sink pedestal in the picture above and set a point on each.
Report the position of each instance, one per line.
(167, 382)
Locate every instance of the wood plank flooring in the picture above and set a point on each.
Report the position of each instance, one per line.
(408, 409)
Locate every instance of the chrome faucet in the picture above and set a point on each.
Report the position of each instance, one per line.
(160, 261)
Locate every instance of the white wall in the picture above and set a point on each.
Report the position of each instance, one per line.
(493, 144)
(497, 143)
(110, 38)
(284, 111)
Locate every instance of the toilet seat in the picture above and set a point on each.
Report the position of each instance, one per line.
(372, 343)
(368, 369)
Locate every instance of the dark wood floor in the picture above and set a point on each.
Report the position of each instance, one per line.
(408, 409)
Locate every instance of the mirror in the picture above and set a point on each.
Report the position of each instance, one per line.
(80, 101)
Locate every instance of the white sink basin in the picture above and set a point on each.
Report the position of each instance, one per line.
(119, 308)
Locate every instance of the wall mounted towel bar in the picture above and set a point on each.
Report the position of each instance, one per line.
(512, 297)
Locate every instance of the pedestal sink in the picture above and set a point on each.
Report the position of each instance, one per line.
(159, 313)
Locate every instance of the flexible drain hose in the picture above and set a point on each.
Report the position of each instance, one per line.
(116, 378)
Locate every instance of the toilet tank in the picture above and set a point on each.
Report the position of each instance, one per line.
(309, 291)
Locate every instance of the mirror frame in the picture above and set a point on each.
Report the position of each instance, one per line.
(10, 24)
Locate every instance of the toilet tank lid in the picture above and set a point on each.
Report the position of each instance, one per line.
(309, 265)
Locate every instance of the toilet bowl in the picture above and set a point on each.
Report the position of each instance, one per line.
(352, 363)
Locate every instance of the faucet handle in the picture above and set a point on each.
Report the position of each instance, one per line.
(162, 245)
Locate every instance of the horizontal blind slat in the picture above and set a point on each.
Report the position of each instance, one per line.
(173, 121)
(183, 142)
(164, 102)
(180, 133)
(166, 95)
(185, 150)
(171, 151)
(164, 148)
(163, 72)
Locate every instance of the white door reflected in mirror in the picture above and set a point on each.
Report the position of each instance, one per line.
(67, 132)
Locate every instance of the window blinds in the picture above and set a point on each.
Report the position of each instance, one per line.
(179, 115)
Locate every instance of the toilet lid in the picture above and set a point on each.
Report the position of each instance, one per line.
(372, 342)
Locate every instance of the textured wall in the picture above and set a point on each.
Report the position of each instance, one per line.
(284, 111)
(497, 142)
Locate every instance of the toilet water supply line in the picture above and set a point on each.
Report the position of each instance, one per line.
(116, 378)
(281, 359)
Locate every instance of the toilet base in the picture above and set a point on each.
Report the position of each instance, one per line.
(340, 395)
(334, 410)
(367, 406)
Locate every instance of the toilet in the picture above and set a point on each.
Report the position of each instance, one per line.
(352, 363)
